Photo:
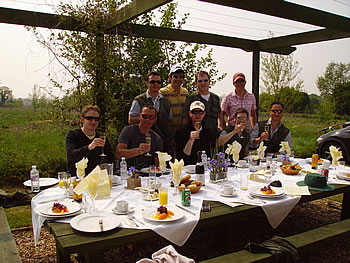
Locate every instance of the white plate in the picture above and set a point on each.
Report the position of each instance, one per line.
(46, 209)
(149, 213)
(90, 222)
(191, 169)
(342, 175)
(59, 215)
(255, 191)
(43, 182)
(231, 195)
(165, 171)
(146, 197)
(115, 211)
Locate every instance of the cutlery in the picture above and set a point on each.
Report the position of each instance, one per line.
(188, 211)
(134, 218)
(255, 198)
(130, 217)
(100, 222)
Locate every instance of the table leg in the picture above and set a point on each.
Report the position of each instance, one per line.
(345, 211)
(60, 258)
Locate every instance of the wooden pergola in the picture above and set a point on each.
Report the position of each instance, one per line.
(333, 26)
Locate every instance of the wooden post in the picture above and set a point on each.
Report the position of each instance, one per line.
(255, 77)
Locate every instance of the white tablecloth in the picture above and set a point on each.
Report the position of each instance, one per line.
(276, 209)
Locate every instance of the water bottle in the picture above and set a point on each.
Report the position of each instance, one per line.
(204, 158)
(123, 169)
(34, 178)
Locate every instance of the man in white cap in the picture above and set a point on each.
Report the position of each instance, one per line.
(194, 137)
(239, 98)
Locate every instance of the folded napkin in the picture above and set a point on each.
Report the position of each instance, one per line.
(285, 147)
(97, 178)
(296, 190)
(176, 168)
(167, 254)
(163, 158)
(336, 154)
(261, 149)
(81, 165)
(234, 149)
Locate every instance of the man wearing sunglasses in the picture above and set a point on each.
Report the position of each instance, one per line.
(239, 98)
(153, 97)
(209, 99)
(86, 142)
(194, 137)
(132, 141)
(277, 131)
(236, 132)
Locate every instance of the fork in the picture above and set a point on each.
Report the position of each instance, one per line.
(133, 218)
(255, 197)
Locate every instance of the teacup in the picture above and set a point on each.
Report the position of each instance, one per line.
(326, 164)
(242, 163)
(116, 179)
(228, 189)
(122, 206)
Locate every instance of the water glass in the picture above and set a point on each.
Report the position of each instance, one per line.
(291, 157)
(66, 183)
(60, 179)
(341, 166)
(244, 181)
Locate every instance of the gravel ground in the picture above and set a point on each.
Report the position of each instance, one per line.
(203, 244)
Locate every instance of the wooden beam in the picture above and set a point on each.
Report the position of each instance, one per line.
(290, 11)
(133, 10)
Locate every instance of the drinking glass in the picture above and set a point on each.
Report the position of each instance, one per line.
(66, 184)
(60, 179)
(151, 180)
(92, 191)
(148, 140)
(103, 136)
(267, 129)
(241, 133)
(197, 125)
(176, 180)
(163, 196)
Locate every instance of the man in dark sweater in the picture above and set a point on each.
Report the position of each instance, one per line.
(86, 142)
(271, 131)
(194, 137)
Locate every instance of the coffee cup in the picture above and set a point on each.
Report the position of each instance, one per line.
(116, 179)
(122, 206)
(242, 163)
(326, 164)
(228, 189)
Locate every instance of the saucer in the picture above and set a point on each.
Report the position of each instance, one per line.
(131, 209)
(231, 195)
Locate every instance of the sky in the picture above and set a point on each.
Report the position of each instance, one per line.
(24, 63)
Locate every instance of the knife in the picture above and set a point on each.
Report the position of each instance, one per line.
(188, 211)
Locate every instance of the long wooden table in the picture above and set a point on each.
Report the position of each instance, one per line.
(91, 246)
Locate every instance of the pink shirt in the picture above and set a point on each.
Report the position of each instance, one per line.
(232, 102)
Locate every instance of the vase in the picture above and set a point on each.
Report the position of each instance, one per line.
(216, 177)
(133, 182)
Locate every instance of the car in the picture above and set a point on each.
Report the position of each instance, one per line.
(339, 138)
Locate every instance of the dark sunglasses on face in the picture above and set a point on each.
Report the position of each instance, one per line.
(90, 118)
(275, 111)
(240, 81)
(178, 76)
(155, 81)
(200, 112)
(145, 116)
(242, 118)
(203, 80)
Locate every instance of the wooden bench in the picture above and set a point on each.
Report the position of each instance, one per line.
(8, 248)
(305, 243)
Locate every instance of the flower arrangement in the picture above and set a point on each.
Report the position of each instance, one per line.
(133, 172)
(133, 180)
(218, 163)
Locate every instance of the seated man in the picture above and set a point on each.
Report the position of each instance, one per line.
(237, 132)
(194, 137)
(86, 142)
(275, 132)
(132, 141)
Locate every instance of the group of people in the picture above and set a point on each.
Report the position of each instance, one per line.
(169, 119)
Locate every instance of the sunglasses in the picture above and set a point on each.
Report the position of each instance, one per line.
(240, 81)
(242, 118)
(200, 112)
(178, 77)
(145, 116)
(90, 118)
(203, 80)
(275, 111)
(155, 81)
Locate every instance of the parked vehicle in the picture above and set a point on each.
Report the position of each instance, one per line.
(339, 138)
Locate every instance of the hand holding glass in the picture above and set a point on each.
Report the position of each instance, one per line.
(103, 137)
(148, 140)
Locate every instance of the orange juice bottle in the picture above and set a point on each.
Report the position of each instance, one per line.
(314, 161)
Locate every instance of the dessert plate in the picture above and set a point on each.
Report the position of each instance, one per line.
(342, 175)
(149, 213)
(225, 195)
(255, 191)
(90, 222)
(147, 198)
(44, 182)
(115, 211)
(46, 209)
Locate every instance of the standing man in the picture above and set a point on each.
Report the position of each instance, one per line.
(236, 133)
(153, 97)
(132, 140)
(177, 95)
(210, 100)
(86, 142)
(194, 137)
(239, 98)
(277, 131)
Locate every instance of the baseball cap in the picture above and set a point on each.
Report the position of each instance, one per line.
(176, 68)
(197, 105)
(238, 75)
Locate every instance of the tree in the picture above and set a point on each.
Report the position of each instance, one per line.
(334, 86)
(5, 94)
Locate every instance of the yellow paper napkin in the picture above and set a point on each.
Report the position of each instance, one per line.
(285, 147)
(81, 165)
(296, 190)
(176, 168)
(336, 154)
(234, 149)
(261, 149)
(97, 177)
(163, 158)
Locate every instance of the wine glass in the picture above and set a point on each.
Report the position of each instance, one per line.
(103, 136)
(176, 180)
(92, 191)
(241, 133)
(151, 181)
(66, 184)
(197, 125)
(148, 140)
(267, 129)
